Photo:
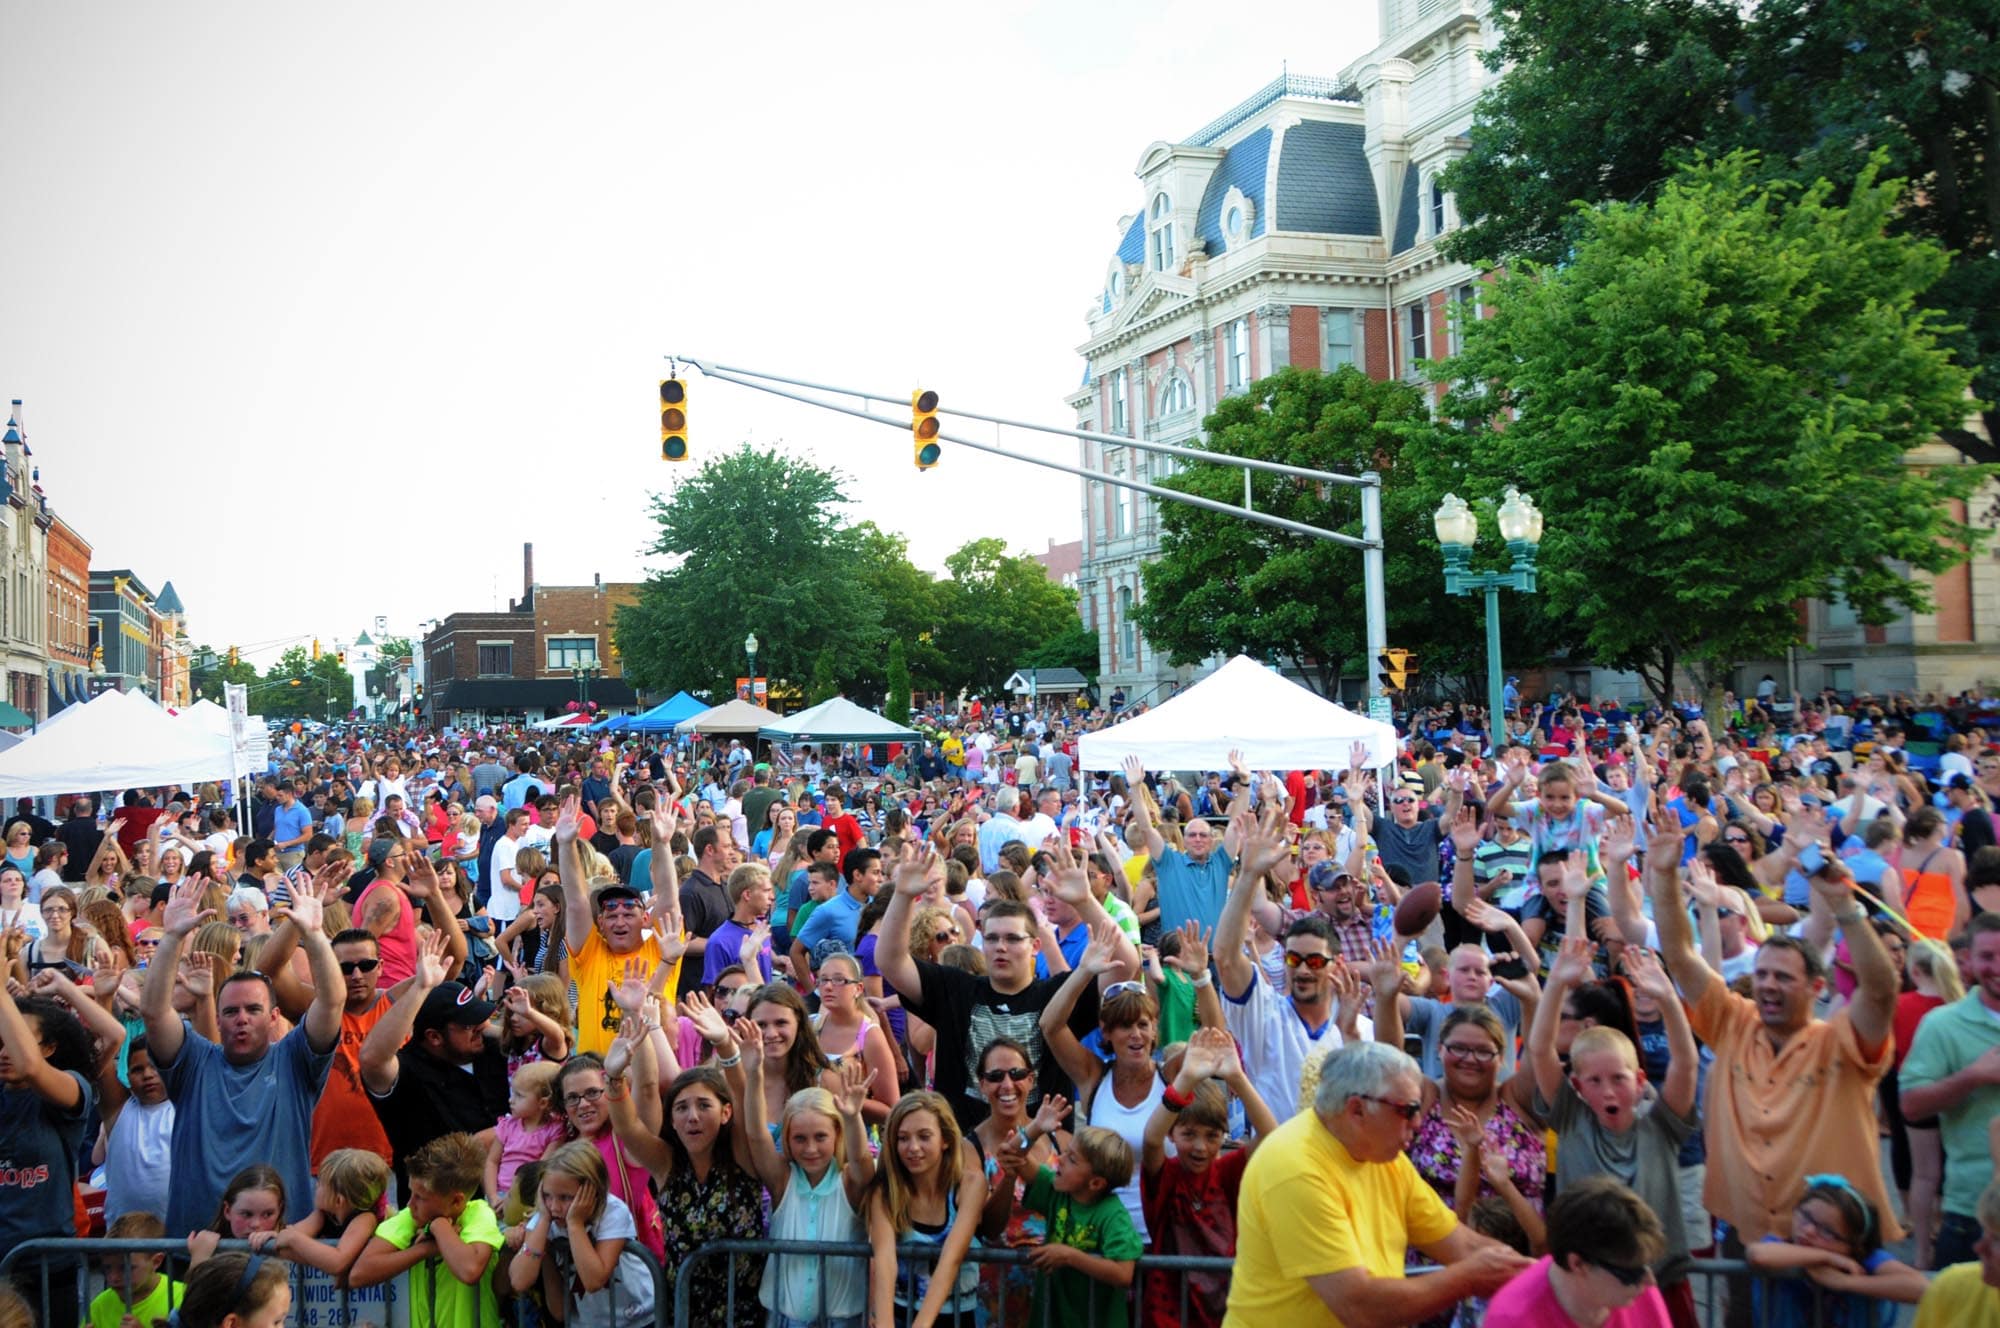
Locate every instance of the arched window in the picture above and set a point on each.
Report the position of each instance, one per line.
(1128, 635)
(1176, 395)
(1161, 227)
(1437, 207)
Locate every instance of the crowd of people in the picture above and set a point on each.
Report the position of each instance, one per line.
(1508, 1037)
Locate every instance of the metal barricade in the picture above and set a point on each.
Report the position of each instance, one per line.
(921, 1254)
(1710, 1280)
(62, 1268)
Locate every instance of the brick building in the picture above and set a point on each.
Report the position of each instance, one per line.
(551, 647)
(68, 581)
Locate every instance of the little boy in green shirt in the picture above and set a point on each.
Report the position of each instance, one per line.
(444, 1229)
(135, 1289)
(1091, 1236)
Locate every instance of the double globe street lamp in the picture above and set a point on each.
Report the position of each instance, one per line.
(1457, 527)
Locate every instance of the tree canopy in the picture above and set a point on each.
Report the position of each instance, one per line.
(758, 542)
(1712, 401)
(1603, 103)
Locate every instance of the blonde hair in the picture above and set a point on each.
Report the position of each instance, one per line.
(221, 940)
(538, 1077)
(815, 1102)
(547, 994)
(356, 1175)
(1603, 1040)
(581, 1162)
(1933, 958)
(1107, 1153)
(744, 879)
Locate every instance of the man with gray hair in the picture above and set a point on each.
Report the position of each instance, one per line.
(1001, 829)
(1331, 1201)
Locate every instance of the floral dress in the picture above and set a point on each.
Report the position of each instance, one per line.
(729, 1205)
(1007, 1290)
(1512, 1135)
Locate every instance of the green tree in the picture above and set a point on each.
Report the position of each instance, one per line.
(896, 707)
(1711, 401)
(1603, 103)
(209, 677)
(825, 682)
(909, 599)
(1223, 585)
(997, 607)
(1074, 648)
(395, 648)
(755, 544)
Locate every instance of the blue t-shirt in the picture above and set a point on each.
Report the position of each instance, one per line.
(839, 918)
(1189, 889)
(227, 1117)
(38, 1145)
(289, 823)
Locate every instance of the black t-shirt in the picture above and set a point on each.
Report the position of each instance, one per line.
(967, 1014)
(621, 857)
(1975, 831)
(433, 1098)
(704, 907)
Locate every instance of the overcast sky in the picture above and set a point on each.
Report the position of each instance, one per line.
(319, 312)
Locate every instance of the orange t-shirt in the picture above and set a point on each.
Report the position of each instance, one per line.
(1775, 1117)
(345, 1116)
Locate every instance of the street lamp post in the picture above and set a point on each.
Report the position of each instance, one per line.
(750, 649)
(583, 673)
(1457, 531)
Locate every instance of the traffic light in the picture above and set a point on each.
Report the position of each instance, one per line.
(315, 649)
(924, 427)
(232, 657)
(341, 656)
(673, 420)
(1397, 668)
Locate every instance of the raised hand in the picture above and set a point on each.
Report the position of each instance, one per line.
(1620, 838)
(1260, 853)
(1483, 915)
(1465, 832)
(1702, 886)
(632, 1030)
(913, 868)
(1644, 972)
(1071, 884)
(309, 911)
(749, 1044)
(1101, 954)
(666, 821)
(1574, 962)
(753, 945)
(422, 881)
(1193, 958)
(184, 911)
(1211, 1054)
(1385, 971)
(630, 993)
(1466, 1130)
(569, 820)
(1053, 1112)
(1357, 760)
(196, 975)
(431, 969)
(1135, 773)
(855, 1081)
(698, 1010)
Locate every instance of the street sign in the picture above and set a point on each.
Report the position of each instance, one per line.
(1378, 708)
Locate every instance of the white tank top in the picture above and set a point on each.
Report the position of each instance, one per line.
(136, 1156)
(1129, 1124)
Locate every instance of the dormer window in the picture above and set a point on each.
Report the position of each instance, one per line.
(1437, 207)
(1160, 230)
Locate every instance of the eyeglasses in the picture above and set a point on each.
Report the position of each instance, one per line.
(1477, 1055)
(1407, 1110)
(1626, 1275)
(241, 919)
(992, 937)
(348, 966)
(1315, 962)
(839, 982)
(1017, 1073)
(577, 1099)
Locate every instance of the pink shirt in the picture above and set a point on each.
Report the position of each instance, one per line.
(1530, 1302)
(398, 945)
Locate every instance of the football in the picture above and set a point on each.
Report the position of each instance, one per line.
(1420, 907)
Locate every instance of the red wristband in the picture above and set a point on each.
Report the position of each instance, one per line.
(1176, 1099)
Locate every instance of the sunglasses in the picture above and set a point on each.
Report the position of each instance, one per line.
(349, 966)
(1120, 988)
(1407, 1110)
(619, 906)
(1315, 962)
(1402, 802)
(1625, 1275)
(1018, 1073)
(944, 937)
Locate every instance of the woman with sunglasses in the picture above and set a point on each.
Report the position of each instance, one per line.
(1006, 1080)
(1119, 1096)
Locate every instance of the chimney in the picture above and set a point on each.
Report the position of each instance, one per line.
(527, 572)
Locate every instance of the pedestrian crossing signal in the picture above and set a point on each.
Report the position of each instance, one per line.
(673, 420)
(924, 428)
(1397, 666)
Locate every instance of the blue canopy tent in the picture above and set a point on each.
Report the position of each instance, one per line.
(660, 719)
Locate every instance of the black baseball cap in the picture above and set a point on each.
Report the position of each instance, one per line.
(453, 1003)
(615, 890)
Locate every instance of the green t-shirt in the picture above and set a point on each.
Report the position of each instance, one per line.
(1177, 1020)
(1102, 1228)
(446, 1302)
(1950, 1038)
(108, 1310)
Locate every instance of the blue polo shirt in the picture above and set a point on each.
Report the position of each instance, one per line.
(289, 823)
(1193, 890)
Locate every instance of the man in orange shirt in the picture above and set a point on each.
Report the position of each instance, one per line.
(1790, 1095)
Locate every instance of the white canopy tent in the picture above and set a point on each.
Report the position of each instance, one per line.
(1243, 706)
(114, 742)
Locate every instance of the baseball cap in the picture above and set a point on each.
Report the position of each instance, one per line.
(613, 891)
(1326, 875)
(1962, 782)
(452, 1003)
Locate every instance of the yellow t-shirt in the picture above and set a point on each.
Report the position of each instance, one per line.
(1959, 1298)
(1308, 1208)
(592, 972)
(1135, 869)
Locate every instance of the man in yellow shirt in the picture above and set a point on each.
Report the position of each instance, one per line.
(604, 925)
(1331, 1201)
